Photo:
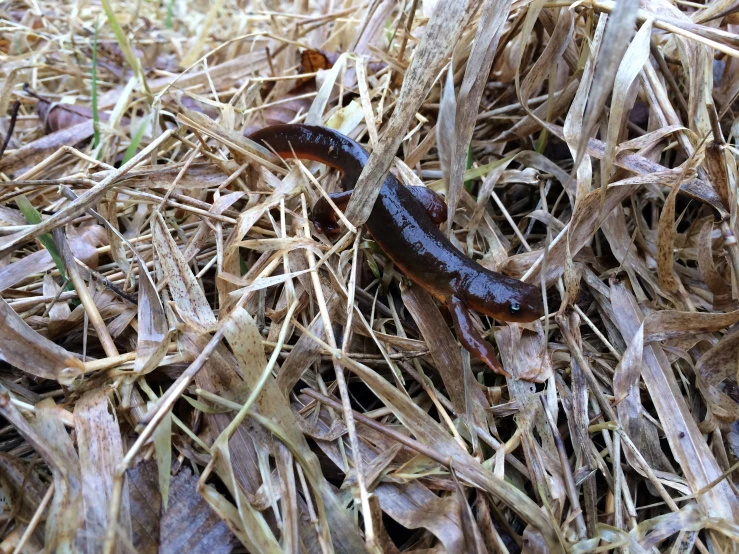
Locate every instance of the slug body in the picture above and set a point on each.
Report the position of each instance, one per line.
(404, 223)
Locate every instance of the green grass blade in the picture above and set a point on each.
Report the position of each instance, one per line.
(34, 218)
(170, 10)
(136, 140)
(94, 72)
(128, 54)
(468, 184)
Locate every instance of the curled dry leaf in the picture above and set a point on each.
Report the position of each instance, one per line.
(665, 243)
(153, 336)
(523, 352)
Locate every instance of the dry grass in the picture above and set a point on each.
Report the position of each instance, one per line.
(190, 366)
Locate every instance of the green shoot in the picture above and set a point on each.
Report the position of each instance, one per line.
(94, 72)
(34, 218)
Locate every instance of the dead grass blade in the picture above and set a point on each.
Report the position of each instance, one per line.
(492, 17)
(620, 25)
(573, 127)
(442, 346)
(188, 297)
(689, 449)
(696, 188)
(430, 433)
(636, 55)
(272, 403)
(100, 450)
(153, 338)
(85, 201)
(447, 21)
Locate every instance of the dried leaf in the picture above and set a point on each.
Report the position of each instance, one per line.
(33, 152)
(636, 55)
(100, 451)
(721, 360)
(153, 336)
(523, 352)
(145, 505)
(27, 350)
(186, 292)
(189, 525)
(668, 324)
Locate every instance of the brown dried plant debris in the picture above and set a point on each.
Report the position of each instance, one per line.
(188, 364)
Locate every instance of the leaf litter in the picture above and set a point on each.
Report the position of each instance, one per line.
(188, 363)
